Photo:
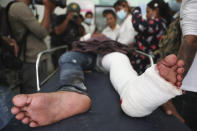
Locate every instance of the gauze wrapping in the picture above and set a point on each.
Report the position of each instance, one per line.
(140, 95)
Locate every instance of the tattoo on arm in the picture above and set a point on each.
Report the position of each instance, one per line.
(187, 51)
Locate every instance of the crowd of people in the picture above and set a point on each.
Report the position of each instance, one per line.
(114, 47)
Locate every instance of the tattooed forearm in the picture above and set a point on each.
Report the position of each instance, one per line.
(187, 51)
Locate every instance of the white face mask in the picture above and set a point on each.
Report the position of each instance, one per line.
(88, 20)
(174, 5)
(122, 14)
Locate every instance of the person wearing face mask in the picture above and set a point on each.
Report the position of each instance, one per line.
(127, 32)
(150, 31)
(88, 23)
(175, 5)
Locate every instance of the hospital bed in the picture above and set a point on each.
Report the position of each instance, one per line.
(105, 113)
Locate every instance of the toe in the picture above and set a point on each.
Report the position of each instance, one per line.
(180, 63)
(178, 84)
(179, 78)
(180, 70)
(33, 124)
(25, 120)
(15, 110)
(20, 100)
(20, 116)
(170, 60)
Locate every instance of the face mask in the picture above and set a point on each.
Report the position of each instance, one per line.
(88, 20)
(174, 5)
(121, 14)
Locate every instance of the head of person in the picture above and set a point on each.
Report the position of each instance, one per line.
(123, 9)
(175, 5)
(110, 18)
(88, 17)
(159, 9)
(117, 6)
(73, 7)
(80, 19)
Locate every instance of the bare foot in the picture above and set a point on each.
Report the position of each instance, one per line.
(171, 69)
(42, 109)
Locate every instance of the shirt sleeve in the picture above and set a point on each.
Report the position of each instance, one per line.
(188, 16)
(23, 14)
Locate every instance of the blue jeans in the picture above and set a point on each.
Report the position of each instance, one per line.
(72, 66)
(5, 105)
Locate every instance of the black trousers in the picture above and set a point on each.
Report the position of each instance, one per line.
(189, 109)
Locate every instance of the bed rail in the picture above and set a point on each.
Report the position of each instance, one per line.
(48, 51)
(65, 47)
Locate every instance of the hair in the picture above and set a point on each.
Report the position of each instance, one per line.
(89, 13)
(164, 10)
(81, 16)
(108, 11)
(117, 3)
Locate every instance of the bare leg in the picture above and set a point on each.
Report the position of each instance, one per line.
(46, 108)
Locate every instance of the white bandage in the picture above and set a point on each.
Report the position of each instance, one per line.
(140, 95)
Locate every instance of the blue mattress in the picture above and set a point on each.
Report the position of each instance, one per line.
(105, 113)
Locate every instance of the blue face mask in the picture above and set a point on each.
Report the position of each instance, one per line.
(174, 5)
(88, 21)
(121, 14)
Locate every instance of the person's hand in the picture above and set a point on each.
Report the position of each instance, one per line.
(170, 109)
(70, 16)
(13, 43)
(49, 5)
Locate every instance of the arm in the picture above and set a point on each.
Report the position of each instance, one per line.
(62, 27)
(187, 51)
(188, 22)
(141, 25)
(49, 7)
(23, 14)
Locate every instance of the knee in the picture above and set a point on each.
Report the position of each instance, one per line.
(68, 57)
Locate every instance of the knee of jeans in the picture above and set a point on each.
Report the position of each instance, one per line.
(70, 57)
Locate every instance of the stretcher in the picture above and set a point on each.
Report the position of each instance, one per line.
(105, 113)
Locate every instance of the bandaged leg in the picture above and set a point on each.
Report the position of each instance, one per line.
(140, 95)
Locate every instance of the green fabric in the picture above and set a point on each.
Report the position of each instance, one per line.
(171, 41)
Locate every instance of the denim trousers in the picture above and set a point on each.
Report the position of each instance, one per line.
(72, 66)
(5, 105)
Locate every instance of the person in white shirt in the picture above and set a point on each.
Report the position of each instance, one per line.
(112, 30)
(187, 52)
(127, 32)
(88, 23)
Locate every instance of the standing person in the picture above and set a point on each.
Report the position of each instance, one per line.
(150, 31)
(88, 23)
(66, 26)
(66, 30)
(112, 30)
(24, 24)
(187, 52)
(127, 32)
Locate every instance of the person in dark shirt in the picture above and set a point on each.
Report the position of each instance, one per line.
(66, 30)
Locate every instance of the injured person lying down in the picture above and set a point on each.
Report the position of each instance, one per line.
(139, 95)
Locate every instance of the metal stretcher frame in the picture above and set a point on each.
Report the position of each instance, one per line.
(49, 51)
